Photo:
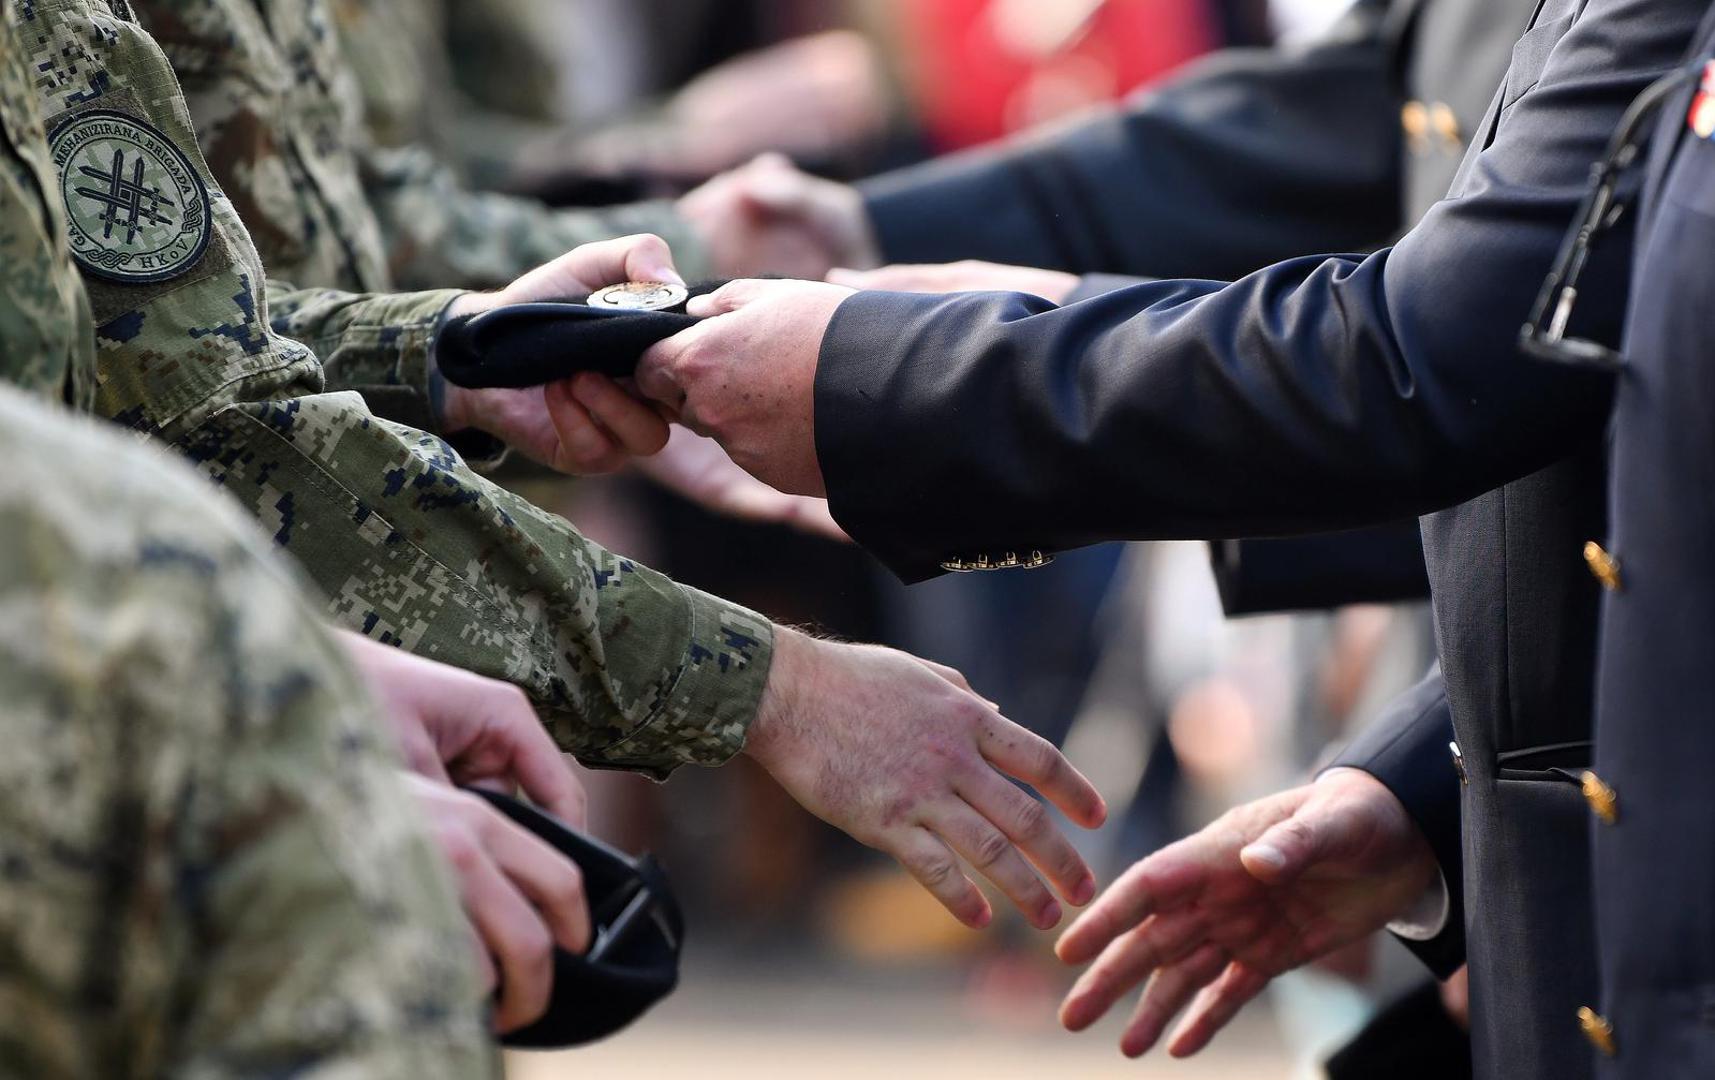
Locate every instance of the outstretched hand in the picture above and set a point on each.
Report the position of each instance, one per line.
(1267, 887)
(899, 753)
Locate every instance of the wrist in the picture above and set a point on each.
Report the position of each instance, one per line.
(455, 407)
(1412, 857)
(777, 714)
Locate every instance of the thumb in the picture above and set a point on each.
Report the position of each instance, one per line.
(1285, 851)
(723, 301)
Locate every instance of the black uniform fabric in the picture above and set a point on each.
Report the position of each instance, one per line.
(1655, 723)
(1306, 573)
(1319, 394)
(594, 998)
(1246, 158)
(1413, 1038)
(523, 345)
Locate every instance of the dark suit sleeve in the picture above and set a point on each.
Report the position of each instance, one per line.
(1247, 157)
(1380, 565)
(1316, 395)
(1407, 749)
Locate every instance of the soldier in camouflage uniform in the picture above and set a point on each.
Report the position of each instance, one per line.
(181, 888)
(411, 546)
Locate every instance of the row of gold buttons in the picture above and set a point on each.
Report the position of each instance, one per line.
(1010, 560)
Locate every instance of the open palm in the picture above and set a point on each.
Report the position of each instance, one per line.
(1269, 886)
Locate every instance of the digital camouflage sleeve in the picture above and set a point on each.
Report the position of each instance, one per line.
(286, 122)
(628, 668)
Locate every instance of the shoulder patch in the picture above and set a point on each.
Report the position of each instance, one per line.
(138, 211)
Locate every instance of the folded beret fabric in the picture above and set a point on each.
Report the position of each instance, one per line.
(523, 345)
(632, 904)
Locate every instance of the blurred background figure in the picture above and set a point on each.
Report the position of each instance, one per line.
(802, 942)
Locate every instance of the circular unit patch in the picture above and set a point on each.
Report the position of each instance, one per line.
(138, 211)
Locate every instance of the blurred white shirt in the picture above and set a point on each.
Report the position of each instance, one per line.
(1298, 21)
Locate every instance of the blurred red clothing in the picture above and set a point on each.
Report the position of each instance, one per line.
(981, 69)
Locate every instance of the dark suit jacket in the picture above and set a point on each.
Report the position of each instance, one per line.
(1246, 158)
(1318, 394)
(1654, 863)
(1249, 157)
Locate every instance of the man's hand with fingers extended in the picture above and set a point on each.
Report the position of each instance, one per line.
(901, 754)
(1269, 886)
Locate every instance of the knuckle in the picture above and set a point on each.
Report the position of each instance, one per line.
(514, 699)
(935, 871)
(1045, 760)
(567, 888)
(991, 847)
(461, 849)
(1031, 819)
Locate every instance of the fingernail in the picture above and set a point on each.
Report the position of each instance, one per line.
(1266, 854)
(984, 917)
(1085, 891)
(1050, 915)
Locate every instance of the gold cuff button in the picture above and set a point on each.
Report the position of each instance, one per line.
(1597, 1030)
(1009, 560)
(1604, 800)
(1603, 566)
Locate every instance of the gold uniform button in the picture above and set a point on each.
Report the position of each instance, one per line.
(1446, 125)
(1597, 1030)
(1458, 761)
(1414, 121)
(1603, 566)
(1604, 800)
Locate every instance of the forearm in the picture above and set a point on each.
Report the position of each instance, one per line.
(378, 345)
(1294, 401)
(628, 668)
(439, 233)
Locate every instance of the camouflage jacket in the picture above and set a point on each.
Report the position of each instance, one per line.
(282, 115)
(410, 546)
(47, 341)
(185, 893)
